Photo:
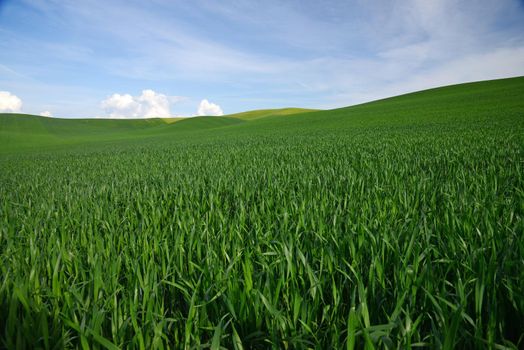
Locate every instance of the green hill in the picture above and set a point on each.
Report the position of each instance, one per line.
(480, 102)
(393, 224)
(22, 132)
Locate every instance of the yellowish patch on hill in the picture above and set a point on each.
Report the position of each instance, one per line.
(263, 113)
(172, 120)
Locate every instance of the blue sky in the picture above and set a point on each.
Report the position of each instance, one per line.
(147, 58)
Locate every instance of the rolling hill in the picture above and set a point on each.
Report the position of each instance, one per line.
(479, 102)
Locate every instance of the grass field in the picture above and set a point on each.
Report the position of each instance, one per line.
(392, 224)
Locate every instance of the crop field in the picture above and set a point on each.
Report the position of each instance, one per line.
(392, 224)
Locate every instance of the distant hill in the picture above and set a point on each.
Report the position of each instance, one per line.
(458, 104)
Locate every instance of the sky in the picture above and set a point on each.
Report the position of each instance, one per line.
(167, 58)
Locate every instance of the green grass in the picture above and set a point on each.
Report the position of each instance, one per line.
(391, 224)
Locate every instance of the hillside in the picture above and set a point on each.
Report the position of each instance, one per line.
(473, 102)
(393, 224)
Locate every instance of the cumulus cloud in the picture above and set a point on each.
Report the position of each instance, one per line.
(46, 114)
(149, 104)
(210, 109)
(9, 102)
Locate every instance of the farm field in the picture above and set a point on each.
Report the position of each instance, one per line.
(392, 224)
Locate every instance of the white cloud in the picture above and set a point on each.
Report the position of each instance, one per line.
(9, 102)
(153, 104)
(210, 109)
(46, 114)
(149, 104)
